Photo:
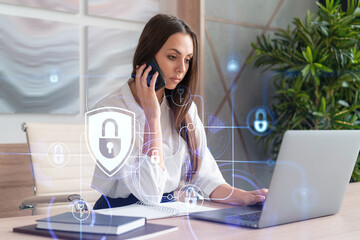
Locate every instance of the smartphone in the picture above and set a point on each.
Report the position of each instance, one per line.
(160, 81)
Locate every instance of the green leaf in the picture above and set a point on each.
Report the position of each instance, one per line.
(317, 81)
(305, 70)
(343, 123)
(323, 105)
(357, 12)
(312, 69)
(324, 31)
(323, 68)
(319, 114)
(344, 84)
(305, 56)
(343, 103)
(321, 6)
(341, 113)
(309, 54)
(303, 95)
(353, 118)
(251, 59)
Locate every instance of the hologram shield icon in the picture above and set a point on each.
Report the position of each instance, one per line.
(112, 129)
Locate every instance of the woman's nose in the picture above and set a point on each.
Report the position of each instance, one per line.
(181, 67)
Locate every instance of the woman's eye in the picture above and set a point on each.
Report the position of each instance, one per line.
(187, 60)
(171, 57)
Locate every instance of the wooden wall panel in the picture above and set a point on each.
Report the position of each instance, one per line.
(16, 181)
(192, 12)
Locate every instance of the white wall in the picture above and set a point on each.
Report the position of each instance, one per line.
(10, 131)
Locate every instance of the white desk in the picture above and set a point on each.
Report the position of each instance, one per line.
(344, 225)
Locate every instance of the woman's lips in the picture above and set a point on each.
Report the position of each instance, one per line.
(176, 80)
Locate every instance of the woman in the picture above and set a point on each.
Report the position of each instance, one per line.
(168, 123)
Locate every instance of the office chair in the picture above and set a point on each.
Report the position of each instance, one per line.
(61, 166)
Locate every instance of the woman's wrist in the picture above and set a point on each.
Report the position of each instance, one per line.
(152, 131)
(152, 116)
(241, 196)
(153, 123)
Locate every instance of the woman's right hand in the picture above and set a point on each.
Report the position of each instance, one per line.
(150, 104)
(147, 95)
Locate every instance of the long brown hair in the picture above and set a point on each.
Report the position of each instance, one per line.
(155, 33)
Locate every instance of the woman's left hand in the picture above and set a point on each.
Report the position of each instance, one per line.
(228, 194)
(256, 196)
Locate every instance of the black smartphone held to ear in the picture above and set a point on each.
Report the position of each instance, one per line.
(160, 81)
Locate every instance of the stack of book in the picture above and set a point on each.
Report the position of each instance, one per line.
(127, 222)
(94, 223)
(95, 226)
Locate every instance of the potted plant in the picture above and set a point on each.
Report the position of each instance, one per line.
(317, 66)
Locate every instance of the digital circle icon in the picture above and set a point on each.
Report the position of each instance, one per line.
(110, 137)
(110, 147)
(58, 157)
(81, 210)
(155, 156)
(177, 96)
(58, 154)
(191, 127)
(192, 196)
(170, 197)
(180, 91)
(270, 162)
(233, 65)
(260, 121)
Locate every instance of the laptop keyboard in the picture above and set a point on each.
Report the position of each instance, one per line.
(247, 217)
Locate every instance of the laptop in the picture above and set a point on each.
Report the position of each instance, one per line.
(310, 179)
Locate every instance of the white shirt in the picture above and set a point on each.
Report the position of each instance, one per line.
(146, 180)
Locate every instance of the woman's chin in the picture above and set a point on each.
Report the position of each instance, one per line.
(170, 86)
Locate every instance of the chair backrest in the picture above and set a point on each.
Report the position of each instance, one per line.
(60, 161)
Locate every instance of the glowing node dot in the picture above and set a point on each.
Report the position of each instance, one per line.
(191, 127)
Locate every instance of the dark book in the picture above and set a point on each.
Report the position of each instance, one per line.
(148, 231)
(94, 223)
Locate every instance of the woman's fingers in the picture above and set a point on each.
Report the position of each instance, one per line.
(145, 76)
(142, 74)
(262, 192)
(153, 80)
(258, 199)
(139, 73)
(253, 199)
(257, 196)
(146, 94)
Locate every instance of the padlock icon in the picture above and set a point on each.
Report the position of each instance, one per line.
(261, 124)
(110, 147)
(191, 198)
(58, 157)
(155, 157)
(81, 207)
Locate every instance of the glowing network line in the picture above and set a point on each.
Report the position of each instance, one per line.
(226, 127)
